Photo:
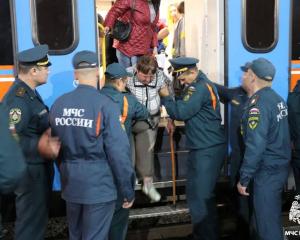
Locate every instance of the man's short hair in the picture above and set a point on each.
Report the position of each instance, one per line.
(147, 64)
(111, 80)
(24, 68)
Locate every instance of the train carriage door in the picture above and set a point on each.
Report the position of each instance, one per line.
(6, 47)
(204, 34)
(67, 26)
(258, 28)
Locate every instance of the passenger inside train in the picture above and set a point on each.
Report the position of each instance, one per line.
(168, 119)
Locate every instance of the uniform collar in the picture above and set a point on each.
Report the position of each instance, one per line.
(110, 88)
(84, 86)
(261, 90)
(112, 92)
(200, 77)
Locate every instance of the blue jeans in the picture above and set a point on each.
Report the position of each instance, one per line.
(126, 61)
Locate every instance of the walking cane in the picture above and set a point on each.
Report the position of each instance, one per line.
(173, 168)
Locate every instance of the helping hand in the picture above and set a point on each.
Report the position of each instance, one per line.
(127, 204)
(106, 30)
(49, 146)
(170, 126)
(242, 190)
(164, 91)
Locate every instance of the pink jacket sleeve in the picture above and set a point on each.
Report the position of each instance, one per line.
(119, 9)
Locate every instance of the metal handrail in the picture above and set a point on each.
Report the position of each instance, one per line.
(103, 52)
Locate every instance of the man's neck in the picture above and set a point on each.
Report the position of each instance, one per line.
(114, 86)
(256, 88)
(27, 80)
(88, 83)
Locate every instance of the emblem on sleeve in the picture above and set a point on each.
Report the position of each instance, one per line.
(254, 111)
(253, 118)
(186, 97)
(253, 122)
(15, 115)
(189, 93)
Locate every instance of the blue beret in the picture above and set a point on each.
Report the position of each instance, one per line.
(85, 59)
(116, 70)
(182, 64)
(262, 68)
(35, 56)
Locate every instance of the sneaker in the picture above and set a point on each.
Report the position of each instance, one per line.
(151, 192)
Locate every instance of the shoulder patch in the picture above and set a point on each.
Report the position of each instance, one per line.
(15, 115)
(235, 102)
(254, 100)
(20, 92)
(189, 93)
(191, 89)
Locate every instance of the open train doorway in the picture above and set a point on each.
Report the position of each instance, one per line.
(6, 47)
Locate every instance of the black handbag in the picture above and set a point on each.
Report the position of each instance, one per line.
(121, 30)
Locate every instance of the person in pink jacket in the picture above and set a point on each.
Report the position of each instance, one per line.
(143, 37)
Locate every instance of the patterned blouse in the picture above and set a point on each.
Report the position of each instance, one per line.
(148, 95)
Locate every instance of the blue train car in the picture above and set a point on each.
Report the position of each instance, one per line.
(62, 24)
(223, 34)
(255, 29)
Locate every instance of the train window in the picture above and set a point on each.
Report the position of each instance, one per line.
(260, 25)
(6, 47)
(295, 31)
(55, 25)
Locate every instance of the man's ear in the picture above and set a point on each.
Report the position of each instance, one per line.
(119, 82)
(33, 70)
(194, 71)
(253, 76)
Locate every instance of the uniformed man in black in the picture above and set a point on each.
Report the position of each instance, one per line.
(12, 163)
(293, 103)
(200, 110)
(266, 159)
(236, 97)
(29, 115)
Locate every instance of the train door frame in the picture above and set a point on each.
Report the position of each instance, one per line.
(7, 70)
